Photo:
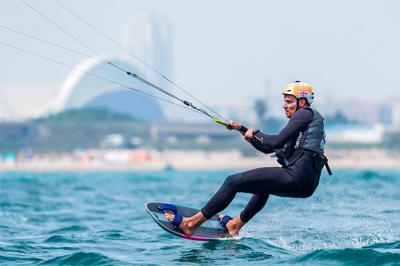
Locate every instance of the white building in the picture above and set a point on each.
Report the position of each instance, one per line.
(396, 117)
(354, 133)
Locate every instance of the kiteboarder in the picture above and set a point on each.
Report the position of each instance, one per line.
(299, 147)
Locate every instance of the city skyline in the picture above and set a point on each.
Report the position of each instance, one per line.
(216, 60)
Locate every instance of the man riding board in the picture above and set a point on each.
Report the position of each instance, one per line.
(299, 147)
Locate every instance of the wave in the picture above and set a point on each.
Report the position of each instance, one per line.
(376, 254)
(82, 258)
(72, 228)
(10, 260)
(390, 245)
(60, 239)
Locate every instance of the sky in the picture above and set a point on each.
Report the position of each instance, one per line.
(222, 50)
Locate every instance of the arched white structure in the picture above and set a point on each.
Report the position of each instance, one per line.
(80, 87)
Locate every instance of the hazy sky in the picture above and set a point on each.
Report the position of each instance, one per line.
(222, 49)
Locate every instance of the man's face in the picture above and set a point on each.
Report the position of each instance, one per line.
(289, 105)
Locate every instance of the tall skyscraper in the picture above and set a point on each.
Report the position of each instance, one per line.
(5, 110)
(150, 38)
(386, 114)
(396, 117)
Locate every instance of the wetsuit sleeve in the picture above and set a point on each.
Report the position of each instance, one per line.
(259, 146)
(268, 143)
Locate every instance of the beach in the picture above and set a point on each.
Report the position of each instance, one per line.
(153, 160)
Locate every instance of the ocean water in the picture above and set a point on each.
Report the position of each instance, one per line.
(99, 219)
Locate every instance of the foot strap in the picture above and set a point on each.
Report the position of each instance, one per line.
(176, 221)
(167, 207)
(172, 208)
(224, 220)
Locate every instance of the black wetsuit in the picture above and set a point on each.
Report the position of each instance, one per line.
(299, 178)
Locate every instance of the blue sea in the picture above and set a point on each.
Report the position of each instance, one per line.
(66, 218)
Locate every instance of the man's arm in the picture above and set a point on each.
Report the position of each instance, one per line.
(259, 146)
(268, 143)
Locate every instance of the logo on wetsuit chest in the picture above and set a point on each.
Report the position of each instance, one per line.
(298, 140)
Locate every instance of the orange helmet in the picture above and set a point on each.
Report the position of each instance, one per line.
(300, 90)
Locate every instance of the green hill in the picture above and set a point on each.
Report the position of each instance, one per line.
(69, 130)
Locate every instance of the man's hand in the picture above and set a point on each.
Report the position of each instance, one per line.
(249, 134)
(234, 125)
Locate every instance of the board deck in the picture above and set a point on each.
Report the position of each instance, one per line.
(209, 230)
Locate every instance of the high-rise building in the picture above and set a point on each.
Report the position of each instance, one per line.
(386, 114)
(396, 117)
(150, 38)
(5, 110)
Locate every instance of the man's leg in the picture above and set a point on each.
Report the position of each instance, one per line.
(255, 204)
(262, 181)
(223, 197)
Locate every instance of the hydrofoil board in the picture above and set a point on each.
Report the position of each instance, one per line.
(209, 230)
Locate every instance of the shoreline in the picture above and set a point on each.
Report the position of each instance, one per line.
(150, 160)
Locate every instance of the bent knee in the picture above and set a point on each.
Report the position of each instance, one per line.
(305, 195)
(308, 192)
(232, 180)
